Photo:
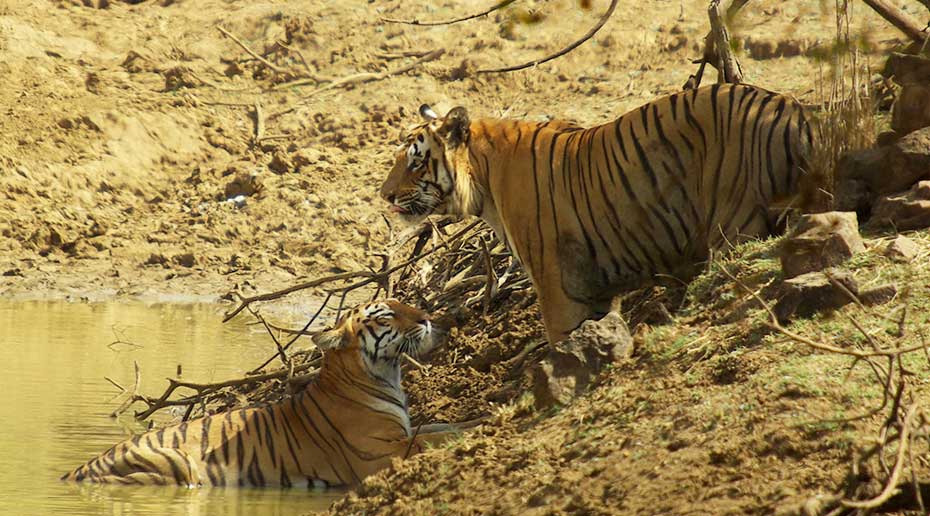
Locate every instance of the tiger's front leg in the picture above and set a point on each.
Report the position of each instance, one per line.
(562, 315)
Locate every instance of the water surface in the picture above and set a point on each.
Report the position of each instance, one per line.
(55, 404)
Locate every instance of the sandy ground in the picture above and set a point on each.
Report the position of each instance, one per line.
(145, 154)
(127, 130)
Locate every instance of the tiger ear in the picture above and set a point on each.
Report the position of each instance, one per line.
(427, 113)
(455, 127)
(329, 339)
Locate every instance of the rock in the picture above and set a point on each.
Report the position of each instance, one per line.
(304, 157)
(185, 260)
(244, 183)
(819, 241)
(465, 69)
(904, 210)
(814, 292)
(180, 77)
(571, 366)
(888, 169)
(280, 163)
(912, 107)
(878, 295)
(852, 195)
(901, 249)
(156, 259)
(887, 138)
(136, 63)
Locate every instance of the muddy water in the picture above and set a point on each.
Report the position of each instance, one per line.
(55, 403)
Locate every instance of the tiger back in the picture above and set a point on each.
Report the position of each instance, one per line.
(592, 212)
(349, 423)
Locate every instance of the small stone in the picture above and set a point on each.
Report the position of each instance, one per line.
(136, 62)
(901, 249)
(304, 157)
(878, 295)
(180, 77)
(244, 183)
(156, 259)
(185, 260)
(280, 163)
(814, 292)
(819, 241)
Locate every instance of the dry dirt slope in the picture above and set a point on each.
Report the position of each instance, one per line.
(715, 414)
(126, 129)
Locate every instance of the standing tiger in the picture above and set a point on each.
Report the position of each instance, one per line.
(593, 212)
(347, 424)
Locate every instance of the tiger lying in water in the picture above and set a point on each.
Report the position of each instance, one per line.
(593, 212)
(346, 425)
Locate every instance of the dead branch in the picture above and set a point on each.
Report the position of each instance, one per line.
(259, 124)
(297, 334)
(606, 16)
(408, 53)
(285, 361)
(271, 66)
(728, 68)
(710, 48)
(358, 78)
(495, 7)
(203, 389)
(368, 278)
(900, 20)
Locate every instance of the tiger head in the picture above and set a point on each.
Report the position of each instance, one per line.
(431, 168)
(378, 333)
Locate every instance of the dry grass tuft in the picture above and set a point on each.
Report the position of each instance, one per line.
(845, 119)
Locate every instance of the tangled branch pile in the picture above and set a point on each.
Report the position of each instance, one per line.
(453, 275)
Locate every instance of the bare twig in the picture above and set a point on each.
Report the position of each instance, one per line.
(368, 278)
(207, 388)
(358, 78)
(495, 7)
(402, 55)
(259, 123)
(273, 67)
(560, 53)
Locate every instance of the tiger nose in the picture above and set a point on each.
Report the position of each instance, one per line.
(387, 195)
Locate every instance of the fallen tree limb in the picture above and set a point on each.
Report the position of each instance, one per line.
(606, 16)
(495, 7)
(900, 20)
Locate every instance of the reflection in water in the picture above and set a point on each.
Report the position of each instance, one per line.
(55, 403)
